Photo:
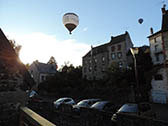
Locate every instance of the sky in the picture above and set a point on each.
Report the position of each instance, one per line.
(37, 25)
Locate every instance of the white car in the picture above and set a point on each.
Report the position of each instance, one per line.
(64, 100)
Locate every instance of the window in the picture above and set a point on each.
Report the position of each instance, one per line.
(103, 69)
(95, 60)
(90, 69)
(119, 47)
(42, 78)
(158, 77)
(157, 57)
(113, 56)
(119, 54)
(156, 47)
(90, 61)
(103, 59)
(120, 64)
(95, 68)
(113, 48)
(155, 40)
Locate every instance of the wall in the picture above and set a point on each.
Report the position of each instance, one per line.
(156, 41)
(160, 87)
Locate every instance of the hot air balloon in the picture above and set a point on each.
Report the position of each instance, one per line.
(140, 21)
(70, 21)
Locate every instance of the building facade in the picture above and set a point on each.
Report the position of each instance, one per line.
(40, 71)
(98, 59)
(159, 54)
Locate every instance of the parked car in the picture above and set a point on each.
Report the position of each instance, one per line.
(65, 100)
(143, 109)
(106, 106)
(85, 103)
(32, 94)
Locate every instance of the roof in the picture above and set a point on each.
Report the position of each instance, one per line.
(155, 34)
(98, 49)
(164, 26)
(103, 48)
(119, 38)
(5, 47)
(46, 68)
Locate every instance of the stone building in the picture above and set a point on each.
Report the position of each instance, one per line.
(40, 71)
(99, 58)
(159, 54)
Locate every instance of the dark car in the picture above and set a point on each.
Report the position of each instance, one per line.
(143, 109)
(106, 106)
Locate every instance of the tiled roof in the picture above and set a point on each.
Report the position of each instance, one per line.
(46, 68)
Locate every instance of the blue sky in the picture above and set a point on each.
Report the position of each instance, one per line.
(99, 20)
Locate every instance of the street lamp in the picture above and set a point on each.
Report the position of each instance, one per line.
(134, 51)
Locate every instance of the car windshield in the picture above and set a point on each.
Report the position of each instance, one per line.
(67, 100)
(62, 99)
(99, 105)
(83, 102)
(129, 108)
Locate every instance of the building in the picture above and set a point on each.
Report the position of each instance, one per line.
(40, 71)
(14, 81)
(99, 58)
(159, 54)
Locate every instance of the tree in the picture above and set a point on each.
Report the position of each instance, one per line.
(27, 65)
(52, 61)
(117, 76)
(15, 46)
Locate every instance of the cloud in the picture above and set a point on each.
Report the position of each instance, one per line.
(40, 46)
(85, 29)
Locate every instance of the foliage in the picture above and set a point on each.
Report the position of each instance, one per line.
(15, 46)
(70, 76)
(52, 61)
(27, 66)
(118, 76)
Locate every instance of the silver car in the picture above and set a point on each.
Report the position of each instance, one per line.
(65, 100)
(85, 103)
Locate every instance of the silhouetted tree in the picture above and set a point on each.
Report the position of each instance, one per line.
(15, 46)
(52, 61)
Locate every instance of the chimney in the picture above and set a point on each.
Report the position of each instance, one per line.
(151, 31)
(112, 38)
(163, 9)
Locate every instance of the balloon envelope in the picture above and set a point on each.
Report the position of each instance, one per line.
(140, 20)
(70, 21)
